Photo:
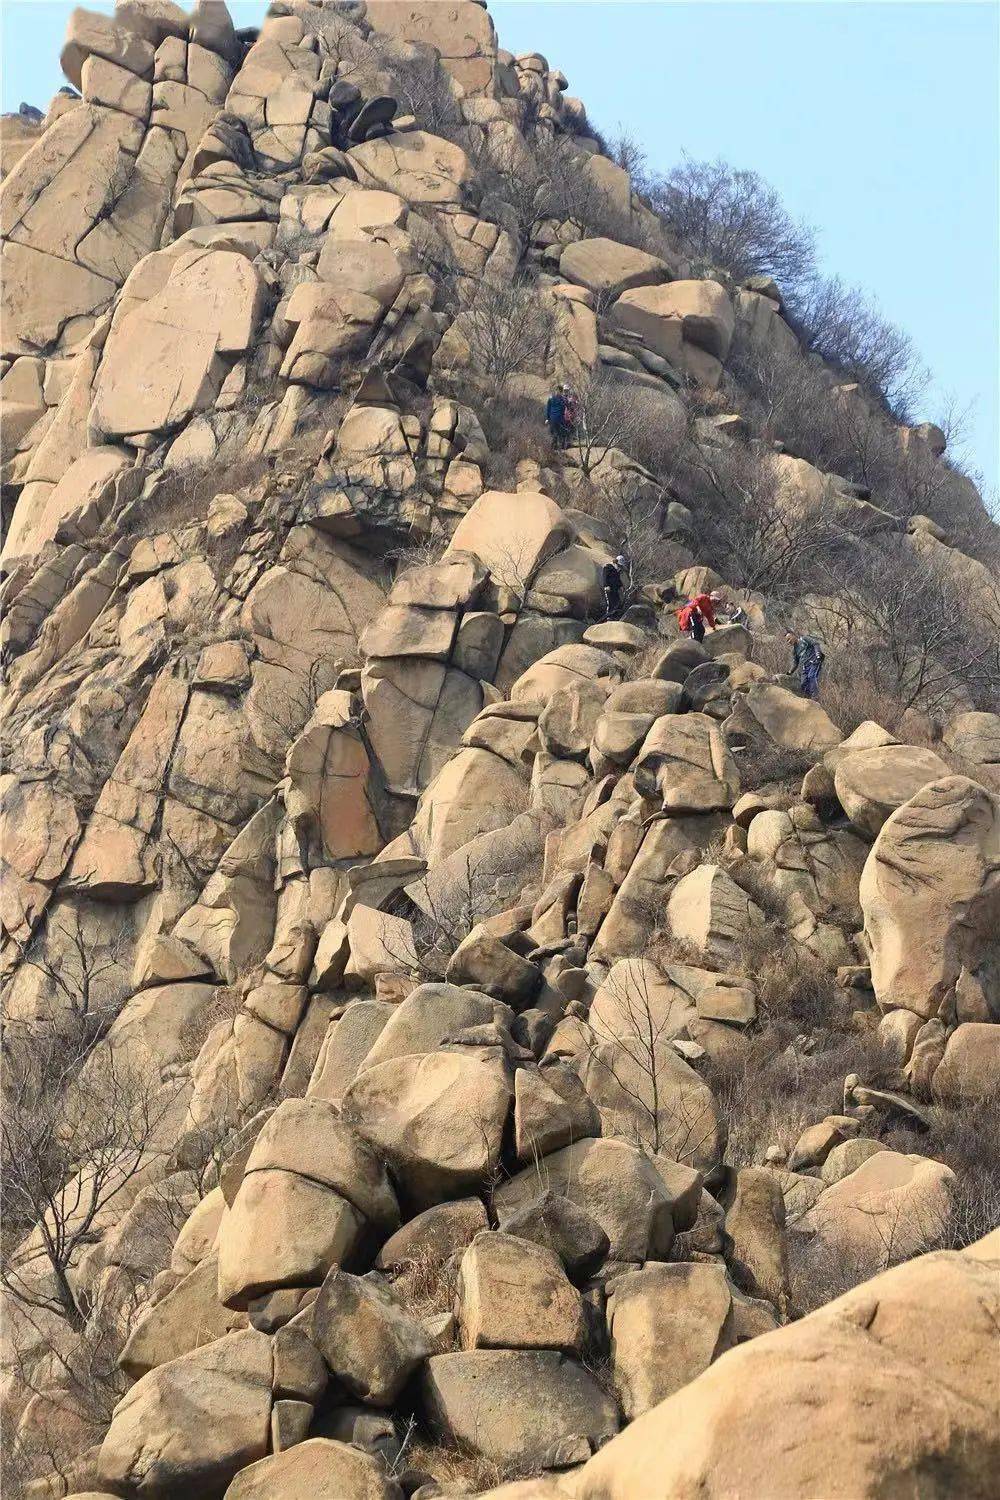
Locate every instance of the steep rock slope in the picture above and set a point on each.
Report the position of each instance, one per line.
(393, 930)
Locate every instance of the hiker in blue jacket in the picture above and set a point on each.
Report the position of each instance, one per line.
(807, 659)
(555, 417)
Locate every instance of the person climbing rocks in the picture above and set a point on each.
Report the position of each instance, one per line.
(555, 417)
(614, 573)
(690, 622)
(808, 657)
(571, 411)
(698, 612)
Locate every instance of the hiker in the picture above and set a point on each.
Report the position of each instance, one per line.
(691, 623)
(613, 574)
(555, 417)
(807, 659)
(732, 613)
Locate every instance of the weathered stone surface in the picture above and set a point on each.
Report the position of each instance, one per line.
(513, 1294)
(438, 1117)
(193, 1423)
(891, 1207)
(309, 1187)
(888, 1383)
(930, 894)
(163, 362)
(420, 168)
(790, 721)
(533, 1407)
(667, 1324)
(614, 1182)
(186, 1318)
(608, 268)
(969, 1072)
(709, 911)
(317, 1469)
(366, 1336)
(511, 535)
(684, 761)
(871, 784)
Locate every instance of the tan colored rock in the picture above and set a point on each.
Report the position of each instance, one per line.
(317, 1469)
(420, 168)
(615, 1182)
(328, 782)
(890, 1382)
(533, 1407)
(930, 894)
(975, 736)
(438, 1117)
(39, 828)
(709, 911)
(163, 360)
(608, 269)
(309, 1187)
(515, 1295)
(667, 1325)
(891, 1207)
(426, 1019)
(551, 1110)
(90, 34)
(684, 761)
(458, 30)
(697, 312)
(790, 721)
(475, 793)
(871, 784)
(193, 1423)
(367, 1337)
(511, 535)
(187, 1318)
(969, 1072)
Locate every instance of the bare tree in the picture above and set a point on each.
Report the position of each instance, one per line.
(508, 328)
(843, 324)
(67, 1150)
(633, 1064)
(736, 221)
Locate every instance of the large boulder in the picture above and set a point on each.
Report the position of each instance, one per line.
(930, 894)
(891, 1207)
(511, 535)
(513, 1294)
(167, 356)
(420, 168)
(535, 1408)
(667, 1323)
(608, 268)
(685, 763)
(792, 722)
(189, 1426)
(617, 1184)
(309, 1188)
(712, 915)
(438, 1117)
(695, 312)
(871, 784)
(367, 1337)
(890, 1389)
(969, 1071)
(318, 1469)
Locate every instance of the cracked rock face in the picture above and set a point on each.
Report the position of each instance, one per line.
(403, 934)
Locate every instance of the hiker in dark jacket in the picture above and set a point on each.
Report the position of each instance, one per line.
(555, 417)
(807, 659)
(614, 573)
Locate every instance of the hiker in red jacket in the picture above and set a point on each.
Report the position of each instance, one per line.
(698, 612)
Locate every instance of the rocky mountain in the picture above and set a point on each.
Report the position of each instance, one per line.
(462, 1035)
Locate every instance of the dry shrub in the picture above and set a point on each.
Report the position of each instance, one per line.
(515, 429)
(459, 1470)
(762, 763)
(427, 1283)
(967, 1139)
(771, 1090)
(793, 985)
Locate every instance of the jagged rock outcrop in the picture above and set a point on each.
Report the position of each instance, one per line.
(400, 914)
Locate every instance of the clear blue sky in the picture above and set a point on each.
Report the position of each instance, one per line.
(878, 122)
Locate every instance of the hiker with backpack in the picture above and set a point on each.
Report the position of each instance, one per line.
(698, 612)
(556, 418)
(613, 574)
(808, 657)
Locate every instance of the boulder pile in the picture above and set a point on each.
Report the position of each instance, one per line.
(420, 912)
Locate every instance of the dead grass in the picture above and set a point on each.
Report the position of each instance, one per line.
(428, 1284)
(456, 1469)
